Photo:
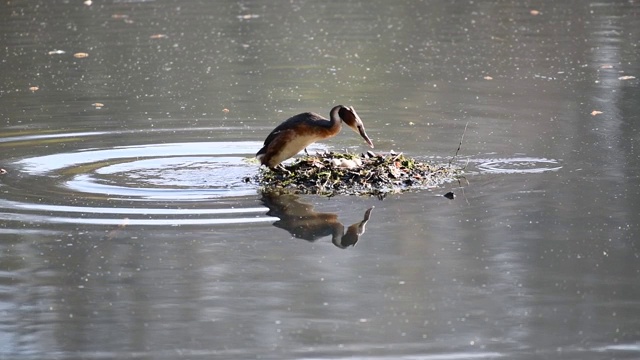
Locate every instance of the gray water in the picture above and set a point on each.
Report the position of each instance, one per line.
(127, 231)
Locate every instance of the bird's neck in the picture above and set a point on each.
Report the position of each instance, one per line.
(335, 116)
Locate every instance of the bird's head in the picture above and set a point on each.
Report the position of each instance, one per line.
(349, 116)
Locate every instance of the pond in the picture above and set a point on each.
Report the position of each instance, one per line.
(127, 230)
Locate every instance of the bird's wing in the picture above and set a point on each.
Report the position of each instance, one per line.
(290, 123)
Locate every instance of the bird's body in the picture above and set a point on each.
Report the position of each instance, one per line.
(299, 131)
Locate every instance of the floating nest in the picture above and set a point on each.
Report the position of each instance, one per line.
(331, 173)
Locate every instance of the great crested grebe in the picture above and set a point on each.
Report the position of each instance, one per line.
(298, 132)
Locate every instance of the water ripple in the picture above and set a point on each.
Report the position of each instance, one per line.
(152, 183)
(517, 165)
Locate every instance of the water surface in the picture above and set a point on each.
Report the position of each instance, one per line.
(127, 229)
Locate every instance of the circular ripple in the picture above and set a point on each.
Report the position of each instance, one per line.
(147, 184)
(517, 165)
(147, 172)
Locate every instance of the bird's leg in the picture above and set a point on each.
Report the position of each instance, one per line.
(306, 152)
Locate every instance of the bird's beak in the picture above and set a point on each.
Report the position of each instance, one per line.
(364, 135)
(356, 124)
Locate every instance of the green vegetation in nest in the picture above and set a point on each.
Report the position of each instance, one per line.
(333, 173)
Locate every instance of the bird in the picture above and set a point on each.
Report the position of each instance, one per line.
(299, 131)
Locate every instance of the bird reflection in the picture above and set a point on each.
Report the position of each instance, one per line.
(299, 219)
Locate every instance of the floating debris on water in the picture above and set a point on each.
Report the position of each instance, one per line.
(332, 173)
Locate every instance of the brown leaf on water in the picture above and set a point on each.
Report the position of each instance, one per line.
(488, 78)
(158, 36)
(80, 55)
(34, 88)
(98, 105)
(534, 12)
(225, 110)
(626, 77)
(606, 66)
(596, 112)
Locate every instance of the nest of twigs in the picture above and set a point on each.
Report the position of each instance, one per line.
(333, 173)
